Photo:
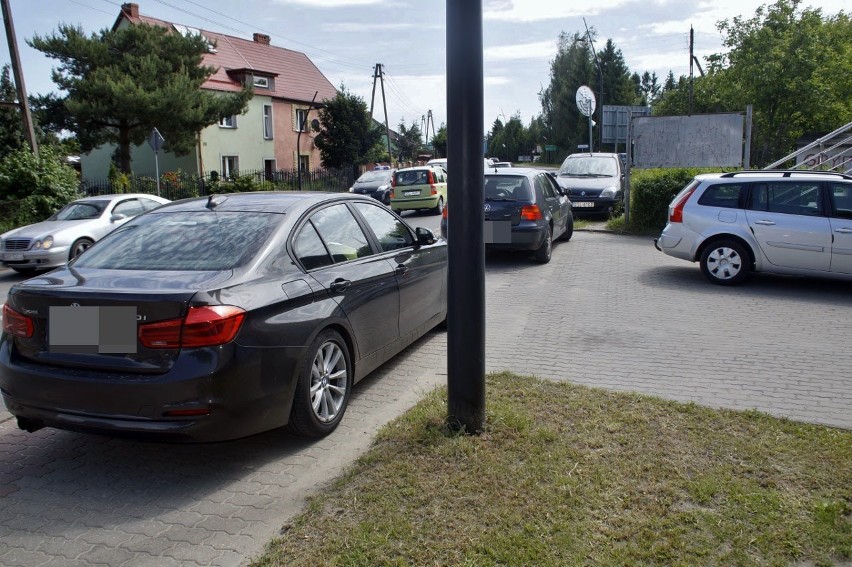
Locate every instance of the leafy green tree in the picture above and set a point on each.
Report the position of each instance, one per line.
(348, 137)
(572, 67)
(793, 67)
(11, 127)
(619, 88)
(120, 84)
(439, 141)
(410, 141)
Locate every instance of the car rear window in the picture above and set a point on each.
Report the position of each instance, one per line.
(725, 195)
(507, 188)
(183, 241)
(414, 177)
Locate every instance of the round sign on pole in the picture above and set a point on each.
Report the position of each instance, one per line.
(585, 101)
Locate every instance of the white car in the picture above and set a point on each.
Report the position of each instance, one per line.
(70, 231)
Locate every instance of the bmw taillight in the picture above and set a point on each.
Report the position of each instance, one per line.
(16, 324)
(531, 212)
(210, 325)
(676, 214)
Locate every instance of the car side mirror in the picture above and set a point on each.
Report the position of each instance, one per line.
(117, 217)
(424, 236)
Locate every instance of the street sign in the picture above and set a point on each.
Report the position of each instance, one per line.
(550, 148)
(155, 140)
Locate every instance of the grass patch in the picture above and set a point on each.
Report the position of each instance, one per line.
(570, 475)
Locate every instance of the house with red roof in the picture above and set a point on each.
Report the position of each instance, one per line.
(267, 136)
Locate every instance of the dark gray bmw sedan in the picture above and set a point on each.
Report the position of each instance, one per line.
(216, 318)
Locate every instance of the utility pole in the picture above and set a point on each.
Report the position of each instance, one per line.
(691, 59)
(23, 102)
(378, 76)
(430, 123)
(600, 92)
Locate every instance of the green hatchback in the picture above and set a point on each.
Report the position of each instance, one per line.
(423, 187)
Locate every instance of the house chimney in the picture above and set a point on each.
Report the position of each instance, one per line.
(261, 38)
(131, 9)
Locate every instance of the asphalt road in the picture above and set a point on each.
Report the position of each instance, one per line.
(609, 311)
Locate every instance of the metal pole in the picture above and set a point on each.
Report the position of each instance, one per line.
(466, 278)
(157, 170)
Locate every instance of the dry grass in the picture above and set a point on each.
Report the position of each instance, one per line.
(568, 475)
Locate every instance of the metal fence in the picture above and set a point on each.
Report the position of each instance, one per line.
(180, 185)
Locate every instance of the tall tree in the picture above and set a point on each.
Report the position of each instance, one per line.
(439, 141)
(347, 135)
(120, 84)
(409, 142)
(11, 127)
(572, 67)
(618, 88)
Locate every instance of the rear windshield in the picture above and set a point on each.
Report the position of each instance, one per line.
(183, 241)
(413, 177)
(507, 188)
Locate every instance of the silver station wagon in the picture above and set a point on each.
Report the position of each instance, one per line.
(783, 222)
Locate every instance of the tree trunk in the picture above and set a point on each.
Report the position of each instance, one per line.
(124, 147)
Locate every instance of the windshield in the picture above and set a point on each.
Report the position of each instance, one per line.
(80, 210)
(184, 241)
(374, 176)
(589, 166)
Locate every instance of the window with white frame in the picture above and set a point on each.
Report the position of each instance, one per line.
(267, 121)
(261, 82)
(230, 166)
(301, 120)
(228, 122)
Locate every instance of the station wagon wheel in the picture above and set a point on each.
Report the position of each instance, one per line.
(545, 251)
(323, 387)
(725, 262)
(439, 208)
(80, 245)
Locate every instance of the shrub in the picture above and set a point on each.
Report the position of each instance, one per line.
(34, 187)
(651, 191)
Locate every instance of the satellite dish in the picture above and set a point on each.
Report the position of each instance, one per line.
(586, 101)
(315, 125)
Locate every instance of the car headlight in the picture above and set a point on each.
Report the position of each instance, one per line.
(383, 187)
(352, 189)
(43, 244)
(609, 193)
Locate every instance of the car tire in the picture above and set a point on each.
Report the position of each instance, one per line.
(545, 251)
(439, 208)
(323, 387)
(569, 231)
(80, 245)
(725, 262)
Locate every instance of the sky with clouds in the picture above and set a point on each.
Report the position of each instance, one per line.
(346, 38)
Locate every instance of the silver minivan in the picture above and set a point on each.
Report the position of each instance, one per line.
(783, 222)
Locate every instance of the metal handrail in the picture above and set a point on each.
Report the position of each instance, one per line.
(811, 146)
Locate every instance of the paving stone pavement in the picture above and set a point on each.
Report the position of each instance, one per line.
(608, 311)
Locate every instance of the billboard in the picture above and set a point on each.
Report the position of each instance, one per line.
(616, 119)
(700, 140)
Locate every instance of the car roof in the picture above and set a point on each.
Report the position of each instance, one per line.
(262, 201)
(114, 196)
(516, 171)
(763, 174)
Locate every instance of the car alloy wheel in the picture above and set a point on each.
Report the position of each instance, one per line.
(79, 246)
(545, 251)
(323, 388)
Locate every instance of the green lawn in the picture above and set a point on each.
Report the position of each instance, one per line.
(569, 475)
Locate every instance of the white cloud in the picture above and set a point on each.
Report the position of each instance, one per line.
(536, 10)
(367, 27)
(330, 3)
(535, 50)
(497, 81)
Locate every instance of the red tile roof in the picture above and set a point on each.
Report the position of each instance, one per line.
(296, 78)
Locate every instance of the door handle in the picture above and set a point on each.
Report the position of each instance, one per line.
(340, 284)
(400, 269)
(765, 222)
(843, 230)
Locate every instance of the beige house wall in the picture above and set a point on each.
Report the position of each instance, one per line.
(245, 141)
(285, 145)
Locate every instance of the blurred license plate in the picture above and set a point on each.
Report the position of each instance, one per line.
(92, 330)
(411, 193)
(13, 257)
(497, 232)
(587, 204)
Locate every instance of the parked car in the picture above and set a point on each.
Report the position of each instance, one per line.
(70, 231)
(376, 184)
(499, 164)
(783, 222)
(524, 210)
(422, 187)
(595, 183)
(216, 318)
